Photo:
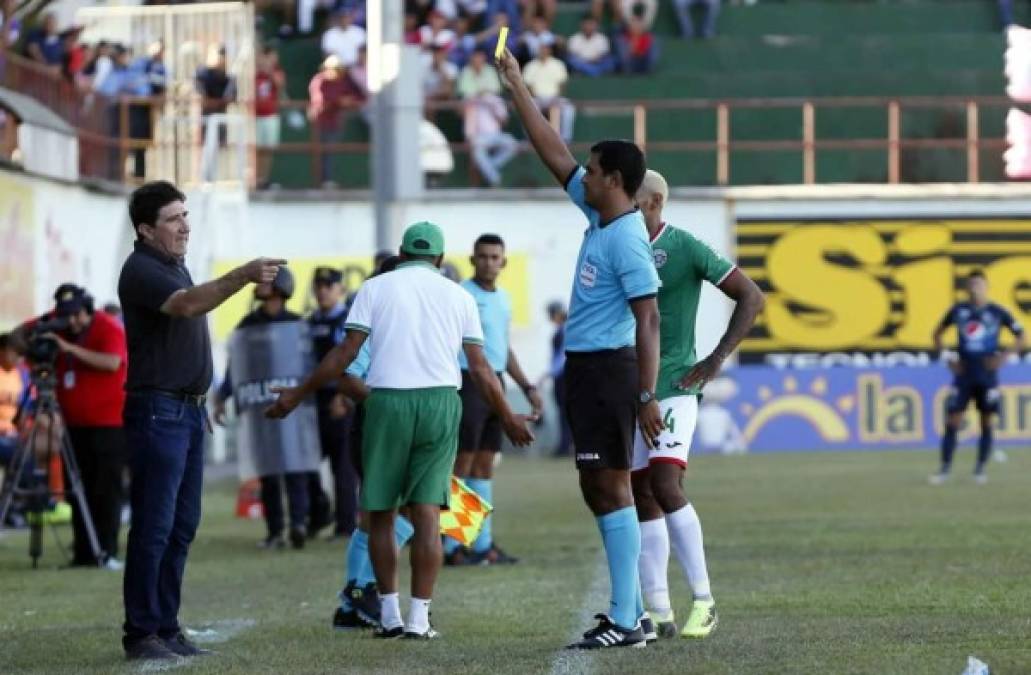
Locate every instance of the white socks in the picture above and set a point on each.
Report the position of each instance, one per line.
(653, 565)
(685, 532)
(419, 616)
(390, 611)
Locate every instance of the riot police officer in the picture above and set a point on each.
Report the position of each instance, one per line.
(272, 298)
(335, 412)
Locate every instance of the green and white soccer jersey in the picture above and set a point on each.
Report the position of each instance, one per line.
(683, 263)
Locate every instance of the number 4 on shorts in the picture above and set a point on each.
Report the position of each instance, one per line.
(669, 421)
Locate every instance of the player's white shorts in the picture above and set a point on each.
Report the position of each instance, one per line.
(680, 415)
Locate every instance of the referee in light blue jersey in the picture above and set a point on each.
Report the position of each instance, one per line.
(612, 347)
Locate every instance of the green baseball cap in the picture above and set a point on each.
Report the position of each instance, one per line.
(423, 238)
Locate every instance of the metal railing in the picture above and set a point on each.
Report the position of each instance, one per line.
(106, 142)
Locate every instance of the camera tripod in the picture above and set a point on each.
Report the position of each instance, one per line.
(38, 493)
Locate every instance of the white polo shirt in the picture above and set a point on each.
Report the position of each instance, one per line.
(417, 321)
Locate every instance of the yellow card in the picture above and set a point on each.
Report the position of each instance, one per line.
(502, 38)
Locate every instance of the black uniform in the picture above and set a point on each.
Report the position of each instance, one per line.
(327, 331)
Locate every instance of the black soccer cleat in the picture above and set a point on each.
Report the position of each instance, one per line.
(150, 648)
(648, 628)
(460, 557)
(298, 535)
(349, 620)
(389, 633)
(493, 556)
(607, 634)
(430, 634)
(365, 601)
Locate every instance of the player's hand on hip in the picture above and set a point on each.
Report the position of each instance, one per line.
(649, 418)
(700, 375)
(289, 398)
(263, 270)
(518, 430)
(508, 69)
(995, 361)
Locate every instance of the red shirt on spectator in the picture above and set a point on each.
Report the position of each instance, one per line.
(640, 44)
(90, 397)
(266, 93)
(332, 92)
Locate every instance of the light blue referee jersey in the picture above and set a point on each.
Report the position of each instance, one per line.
(495, 309)
(615, 266)
(360, 366)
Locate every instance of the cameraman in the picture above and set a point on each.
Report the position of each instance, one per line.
(90, 368)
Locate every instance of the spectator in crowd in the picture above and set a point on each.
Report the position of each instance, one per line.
(638, 50)
(492, 148)
(73, 53)
(464, 44)
(530, 41)
(44, 44)
(438, 82)
(91, 375)
(589, 52)
(331, 92)
(436, 32)
(98, 68)
(344, 39)
(217, 90)
(687, 27)
(488, 39)
(477, 79)
(269, 86)
(411, 28)
(542, 8)
(151, 79)
(546, 76)
(14, 380)
(510, 8)
(622, 9)
(122, 80)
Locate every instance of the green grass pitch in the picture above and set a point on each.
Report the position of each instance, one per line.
(820, 563)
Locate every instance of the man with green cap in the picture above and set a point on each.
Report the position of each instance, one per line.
(416, 321)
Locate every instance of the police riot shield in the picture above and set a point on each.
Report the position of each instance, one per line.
(262, 357)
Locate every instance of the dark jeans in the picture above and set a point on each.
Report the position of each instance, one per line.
(166, 438)
(335, 435)
(100, 454)
(296, 499)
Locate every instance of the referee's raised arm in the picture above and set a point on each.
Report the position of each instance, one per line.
(546, 141)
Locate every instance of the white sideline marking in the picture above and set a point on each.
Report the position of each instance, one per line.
(568, 662)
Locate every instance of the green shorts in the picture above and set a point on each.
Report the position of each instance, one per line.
(409, 443)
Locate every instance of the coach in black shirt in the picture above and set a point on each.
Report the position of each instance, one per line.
(169, 374)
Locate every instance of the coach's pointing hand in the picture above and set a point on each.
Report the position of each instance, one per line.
(289, 398)
(263, 270)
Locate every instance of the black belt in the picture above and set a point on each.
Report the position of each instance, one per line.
(193, 399)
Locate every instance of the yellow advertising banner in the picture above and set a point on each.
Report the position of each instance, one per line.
(17, 251)
(875, 286)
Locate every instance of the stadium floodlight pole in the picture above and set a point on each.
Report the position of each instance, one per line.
(396, 115)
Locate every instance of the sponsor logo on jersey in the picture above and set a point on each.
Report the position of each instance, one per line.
(660, 257)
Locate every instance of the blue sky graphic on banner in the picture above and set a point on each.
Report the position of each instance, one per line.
(855, 408)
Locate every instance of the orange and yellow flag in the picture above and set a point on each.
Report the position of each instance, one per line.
(467, 513)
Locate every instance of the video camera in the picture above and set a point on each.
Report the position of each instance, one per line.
(43, 350)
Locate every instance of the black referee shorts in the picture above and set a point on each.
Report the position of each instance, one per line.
(601, 406)
(480, 428)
